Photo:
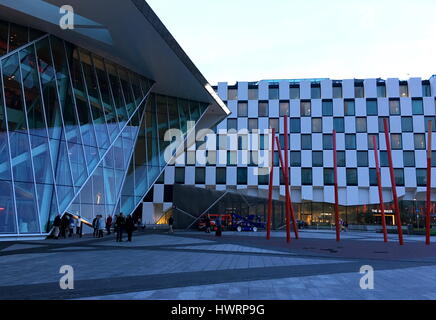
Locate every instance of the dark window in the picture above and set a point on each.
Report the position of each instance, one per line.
(305, 108)
(359, 91)
(404, 89)
(433, 158)
(399, 177)
(327, 141)
(329, 177)
(316, 91)
(371, 141)
(168, 193)
(161, 179)
(396, 141)
(419, 141)
(417, 106)
(381, 125)
(361, 124)
(433, 123)
(253, 93)
(231, 158)
(409, 158)
(242, 175)
(421, 177)
(381, 90)
(295, 125)
(306, 142)
(232, 124)
(294, 92)
(349, 107)
(295, 159)
(264, 141)
(352, 177)
(232, 94)
(317, 159)
(243, 142)
(350, 141)
(426, 89)
(282, 178)
(253, 125)
(337, 91)
(371, 107)
(339, 125)
(180, 176)
(394, 107)
(373, 177)
(317, 125)
(407, 124)
(273, 93)
(263, 179)
(263, 109)
(274, 124)
(221, 175)
(362, 158)
(384, 161)
(242, 109)
(200, 175)
(340, 155)
(327, 108)
(306, 176)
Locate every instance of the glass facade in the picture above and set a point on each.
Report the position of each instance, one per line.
(78, 133)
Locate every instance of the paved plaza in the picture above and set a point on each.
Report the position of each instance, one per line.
(198, 266)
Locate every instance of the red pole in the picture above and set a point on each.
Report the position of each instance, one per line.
(288, 196)
(393, 183)
(335, 164)
(380, 191)
(271, 181)
(288, 182)
(428, 213)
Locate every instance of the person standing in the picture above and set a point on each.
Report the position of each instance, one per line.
(171, 223)
(65, 223)
(71, 227)
(207, 224)
(56, 225)
(94, 226)
(101, 226)
(79, 226)
(130, 225)
(120, 222)
(108, 224)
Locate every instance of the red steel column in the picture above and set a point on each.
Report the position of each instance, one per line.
(288, 182)
(393, 183)
(271, 181)
(288, 196)
(335, 165)
(428, 211)
(380, 191)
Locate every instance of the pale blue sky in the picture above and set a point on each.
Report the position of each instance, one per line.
(249, 40)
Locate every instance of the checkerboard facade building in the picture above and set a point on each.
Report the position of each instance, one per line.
(316, 107)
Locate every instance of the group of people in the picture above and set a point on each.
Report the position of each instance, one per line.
(122, 224)
(99, 225)
(64, 226)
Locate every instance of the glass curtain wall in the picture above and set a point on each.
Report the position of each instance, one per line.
(63, 110)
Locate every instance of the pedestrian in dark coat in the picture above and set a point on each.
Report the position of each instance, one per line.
(207, 224)
(108, 224)
(65, 224)
(95, 226)
(56, 226)
(130, 226)
(120, 225)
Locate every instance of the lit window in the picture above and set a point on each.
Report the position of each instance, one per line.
(419, 141)
(305, 106)
(394, 107)
(361, 124)
(404, 89)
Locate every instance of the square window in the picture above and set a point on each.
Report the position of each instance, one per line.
(242, 109)
(221, 175)
(337, 91)
(232, 124)
(317, 125)
(295, 159)
(306, 176)
(350, 141)
(317, 159)
(362, 158)
(294, 92)
(394, 107)
(339, 125)
(406, 124)
(361, 124)
(352, 177)
(263, 109)
(295, 125)
(371, 107)
(305, 108)
(419, 141)
(349, 107)
(417, 107)
(329, 177)
(396, 141)
(327, 108)
(327, 141)
(306, 142)
(409, 158)
(284, 108)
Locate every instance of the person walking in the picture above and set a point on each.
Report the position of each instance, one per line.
(94, 226)
(129, 226)
(171, 223)
(120, 222)
(65, 223)
(207, 224)
(71, 227)
(101, 226)
(79, 226)
(108, 224)
(56, 226)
